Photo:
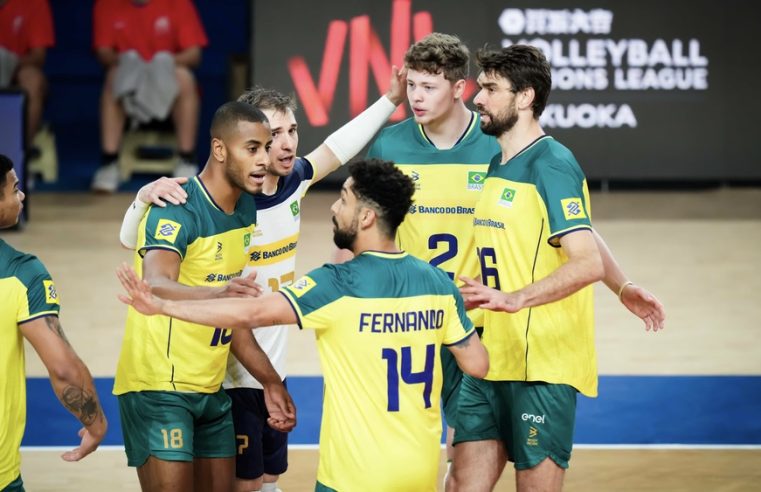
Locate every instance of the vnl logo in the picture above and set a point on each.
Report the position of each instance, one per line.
(366, 55)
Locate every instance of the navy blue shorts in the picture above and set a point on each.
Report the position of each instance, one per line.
(261, 449)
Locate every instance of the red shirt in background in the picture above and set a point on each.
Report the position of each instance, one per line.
(26, 24)
(159, 25)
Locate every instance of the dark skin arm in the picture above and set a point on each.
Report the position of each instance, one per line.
(161, 269)
(71, 381)
(280, 406)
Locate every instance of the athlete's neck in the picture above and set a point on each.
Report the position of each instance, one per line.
(270, 184)
(224, 193)
(373, 240)
(519, 137)
(444, 132)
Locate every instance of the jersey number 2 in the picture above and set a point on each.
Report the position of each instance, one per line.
(450, 241)
(425, 376)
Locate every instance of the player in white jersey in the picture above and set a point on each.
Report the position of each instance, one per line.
(262, 451)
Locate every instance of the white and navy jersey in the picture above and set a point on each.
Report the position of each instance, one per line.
(273, 256)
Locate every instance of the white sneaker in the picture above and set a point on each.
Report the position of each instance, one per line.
(106, 179)
(185, 170)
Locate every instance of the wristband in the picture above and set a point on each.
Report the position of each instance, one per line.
(621, 289)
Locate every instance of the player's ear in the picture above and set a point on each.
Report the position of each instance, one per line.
(218, 149)
(367, 217)
(459, 88)
(525, 98)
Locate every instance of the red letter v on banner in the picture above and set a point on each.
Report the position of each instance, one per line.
(317, 101)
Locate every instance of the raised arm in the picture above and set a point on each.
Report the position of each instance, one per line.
(347, 141)
(161, 269)
(271, 309)
(71, 381)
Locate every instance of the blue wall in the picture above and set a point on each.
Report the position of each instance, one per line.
(76, 77)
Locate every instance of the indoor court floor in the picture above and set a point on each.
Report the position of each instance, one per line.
(678, 410)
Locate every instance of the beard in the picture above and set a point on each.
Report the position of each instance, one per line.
(344, 239)
(501, 123)
(236, 177)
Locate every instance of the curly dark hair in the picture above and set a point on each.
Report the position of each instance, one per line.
(524, 66)
(383, 187)
(5, 167)
(439, 53)
(269, 99)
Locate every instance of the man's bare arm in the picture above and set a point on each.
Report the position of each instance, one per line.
(161, 269)
(70, 379)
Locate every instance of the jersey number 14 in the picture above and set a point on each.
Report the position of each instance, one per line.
(424, 377)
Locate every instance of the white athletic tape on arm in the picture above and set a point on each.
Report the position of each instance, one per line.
(347, 141)
(132, 218)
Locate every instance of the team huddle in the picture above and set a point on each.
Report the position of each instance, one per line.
(463, 286)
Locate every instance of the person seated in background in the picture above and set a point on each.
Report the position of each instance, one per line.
(163, 40)
(26, 32)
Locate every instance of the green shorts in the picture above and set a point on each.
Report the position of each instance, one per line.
(175, 426)
(452, 379)
(450, 386)
(15, 486)
(318, 487)
(534, 420)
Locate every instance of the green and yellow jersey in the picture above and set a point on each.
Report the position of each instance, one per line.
(163, 353)
(26, 293)
(527, 204)
(380, 321)
(439, 225)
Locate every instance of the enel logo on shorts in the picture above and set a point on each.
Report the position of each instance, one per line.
(537, 419)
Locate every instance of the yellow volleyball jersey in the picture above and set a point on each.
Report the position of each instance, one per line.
(380, 321)
(438, 227)
(527, 204)
(163, 353)
(26, 293)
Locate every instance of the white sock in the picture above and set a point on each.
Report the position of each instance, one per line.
(270, 487)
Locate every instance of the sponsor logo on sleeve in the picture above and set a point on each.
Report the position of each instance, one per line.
(294, 208)
(302, 286)
(573, 209)
(51, 295)
(167, 230)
